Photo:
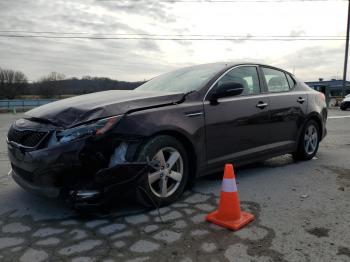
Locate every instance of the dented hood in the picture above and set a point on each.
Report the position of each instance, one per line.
(79, 109)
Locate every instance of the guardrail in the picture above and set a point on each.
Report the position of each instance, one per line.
(23, 103)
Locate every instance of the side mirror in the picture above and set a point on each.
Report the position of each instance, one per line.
(226, 89)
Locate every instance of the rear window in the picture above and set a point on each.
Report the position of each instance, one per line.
(291, 81)
(276, 80)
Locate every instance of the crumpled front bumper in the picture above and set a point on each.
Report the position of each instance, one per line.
(46, 191)
(110, 180)
(41, 171)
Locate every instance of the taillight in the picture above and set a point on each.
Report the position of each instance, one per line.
(322, 96)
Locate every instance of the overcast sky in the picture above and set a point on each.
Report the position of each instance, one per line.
(139, 59)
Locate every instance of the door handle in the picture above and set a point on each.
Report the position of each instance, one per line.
(192, 114)
(261, 105)
(301, 100)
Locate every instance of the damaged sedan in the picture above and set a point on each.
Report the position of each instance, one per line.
(155, 140)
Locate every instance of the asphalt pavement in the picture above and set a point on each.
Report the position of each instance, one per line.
(302, 214)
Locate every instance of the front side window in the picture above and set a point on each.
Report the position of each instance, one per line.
(276, 80)
(247, 76)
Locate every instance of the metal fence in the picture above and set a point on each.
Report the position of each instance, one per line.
(24, 103)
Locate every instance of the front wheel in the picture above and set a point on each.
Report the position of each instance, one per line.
(167, 178)
(308, 142)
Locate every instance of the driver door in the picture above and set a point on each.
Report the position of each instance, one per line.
(236, 125)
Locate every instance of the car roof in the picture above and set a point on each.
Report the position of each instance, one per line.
(260, 64)
(232, 64)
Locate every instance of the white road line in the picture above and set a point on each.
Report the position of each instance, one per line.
(337, 117)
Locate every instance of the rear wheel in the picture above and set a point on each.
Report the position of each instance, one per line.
(167, 178)
(309, 141)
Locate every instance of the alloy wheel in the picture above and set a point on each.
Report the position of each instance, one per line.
(167, 174)
(310, 139)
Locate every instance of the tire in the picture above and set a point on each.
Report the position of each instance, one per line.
(308, 146)
(166, 180)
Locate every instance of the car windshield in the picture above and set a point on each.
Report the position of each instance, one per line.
(183, 80)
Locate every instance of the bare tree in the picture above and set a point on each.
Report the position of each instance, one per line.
(54, 76)
(49, 84)
(52, 85)
(11, 83)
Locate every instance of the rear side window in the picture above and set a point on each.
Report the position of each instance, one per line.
(245, 75)
(290, 81)
(276, 80)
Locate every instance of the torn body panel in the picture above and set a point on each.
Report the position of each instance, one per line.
(86, 169)
(77, 110)
(174, 120)
(108, 181)
(83, 171)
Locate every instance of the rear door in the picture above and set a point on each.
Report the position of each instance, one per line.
(287, 107)
(236, 126)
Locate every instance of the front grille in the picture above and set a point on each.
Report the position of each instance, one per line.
(28, 138)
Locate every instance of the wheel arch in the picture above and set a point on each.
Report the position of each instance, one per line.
(313, 116)
(317, 119)
(186, 142)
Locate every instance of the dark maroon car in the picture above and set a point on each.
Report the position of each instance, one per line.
(156, 139)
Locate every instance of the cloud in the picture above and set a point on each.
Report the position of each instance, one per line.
(157, 10)
(149, 45)
(77, 57)
(242, 39)
(315, 61)
(141, 59)
(295, 33)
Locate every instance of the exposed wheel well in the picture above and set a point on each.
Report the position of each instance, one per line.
(190, 150)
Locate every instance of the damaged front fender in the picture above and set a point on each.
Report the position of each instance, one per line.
(121, 174)
(108, 181)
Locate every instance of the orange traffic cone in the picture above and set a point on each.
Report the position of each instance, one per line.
(229, 213)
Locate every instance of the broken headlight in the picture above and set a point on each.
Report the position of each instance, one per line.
(97, 128)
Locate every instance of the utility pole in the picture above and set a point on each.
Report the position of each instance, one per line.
(346, 51)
